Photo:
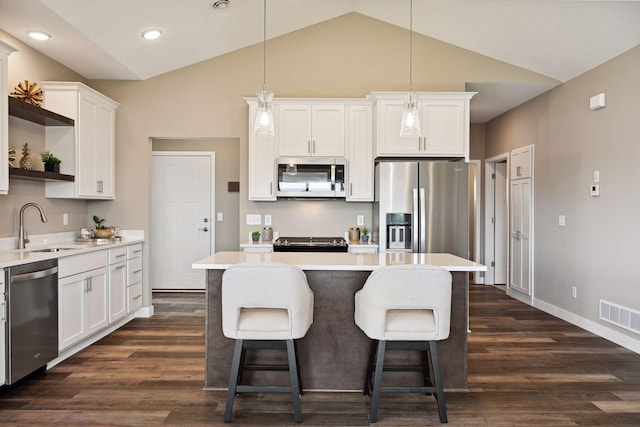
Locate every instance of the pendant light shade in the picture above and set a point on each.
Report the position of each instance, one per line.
(410, 126)
(264, 118)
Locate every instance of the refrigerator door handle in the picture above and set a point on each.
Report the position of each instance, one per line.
(423, 222)
(414, 223)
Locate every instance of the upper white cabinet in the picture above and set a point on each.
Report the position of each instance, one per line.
(522, 162)
(359, 153)
(444, 119)
(5, 51)
(88, 149)
(262, 159)
(311, 129)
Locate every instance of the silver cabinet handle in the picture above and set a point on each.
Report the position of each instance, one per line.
(313, 146)
(309, 146)
(204, 229)
(271, 188)
(351, 188)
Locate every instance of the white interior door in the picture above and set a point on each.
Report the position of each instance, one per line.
(182, 231)
(501, 230)
(521, 210)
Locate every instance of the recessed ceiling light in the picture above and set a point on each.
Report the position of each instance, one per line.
(151, 34)
(220, 4)
(38, 35)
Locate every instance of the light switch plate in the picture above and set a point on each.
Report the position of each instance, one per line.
(254, 219)
(595, 190)
(360, 220)
(562, 221)
(267, 220)
(220, 216)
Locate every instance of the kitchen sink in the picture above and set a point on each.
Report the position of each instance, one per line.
(50, 250)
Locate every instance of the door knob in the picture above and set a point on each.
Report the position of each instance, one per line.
(204, 229)
(206, 220)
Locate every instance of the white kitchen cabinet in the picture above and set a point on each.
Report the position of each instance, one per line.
(444, 120)
(262, 159)
(83, 297)
(117, 283)
(5, 51)
(522, 162)
(134, 277)
(359, 153)
(3, 325)
(365, 248)
(315, 129)
(88, 149)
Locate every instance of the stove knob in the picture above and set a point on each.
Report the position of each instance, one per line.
(335, 242)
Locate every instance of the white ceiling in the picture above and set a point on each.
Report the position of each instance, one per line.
(101, 39)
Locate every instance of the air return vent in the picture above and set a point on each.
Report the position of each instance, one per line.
(621, 316)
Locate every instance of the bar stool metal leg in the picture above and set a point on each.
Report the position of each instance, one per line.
(437, 378)
(233, 379)
(370, 364)
(377, 381)
(295, 380)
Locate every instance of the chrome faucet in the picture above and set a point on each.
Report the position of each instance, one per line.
(22, 237)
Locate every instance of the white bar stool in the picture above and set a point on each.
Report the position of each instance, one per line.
(405, 308)
(265, 306)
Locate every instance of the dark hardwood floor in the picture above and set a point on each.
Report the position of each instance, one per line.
(526, 368)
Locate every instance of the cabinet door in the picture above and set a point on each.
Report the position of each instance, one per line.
(87, 147)
(3, 325)
(359, 154)
(71, 306)
(522, 162)
(327, 130)
(105, 161)
(389, 141)
(117, 291)
(262, 161)
(4, 122)
(97, 303)
(521, 247)
(443, 127)
(294, 130)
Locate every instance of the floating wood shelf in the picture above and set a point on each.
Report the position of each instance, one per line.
(31, 113)
(39, 175)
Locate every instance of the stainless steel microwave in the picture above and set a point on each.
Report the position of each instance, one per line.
(311, 177)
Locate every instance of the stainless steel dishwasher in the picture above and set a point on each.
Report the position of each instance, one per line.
(32, 327)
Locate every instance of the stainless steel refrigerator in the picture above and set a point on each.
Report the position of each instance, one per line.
(422, 206)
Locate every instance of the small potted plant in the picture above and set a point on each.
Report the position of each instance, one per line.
(365, 235)
(101, 231)
(255, 236)
(51, 162)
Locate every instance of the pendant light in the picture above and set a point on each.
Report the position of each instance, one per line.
(410, 126)
(264, 119)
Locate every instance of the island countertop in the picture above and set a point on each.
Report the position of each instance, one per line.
(338, 261)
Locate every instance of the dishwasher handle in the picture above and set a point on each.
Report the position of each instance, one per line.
(34, 275)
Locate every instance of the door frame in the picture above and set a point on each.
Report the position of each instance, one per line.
(489, 205)
(478, 277)
(212, 188)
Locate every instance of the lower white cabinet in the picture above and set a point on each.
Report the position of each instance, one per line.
(134, 277)
(117, 284)
(83, 305)
(3, 323)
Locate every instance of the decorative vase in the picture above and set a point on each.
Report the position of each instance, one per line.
(25, 160)
(255, 238)
(354, 234)
(365, 238)
(102, 233)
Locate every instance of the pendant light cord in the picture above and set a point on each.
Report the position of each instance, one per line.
(410, 46)
(264, 47)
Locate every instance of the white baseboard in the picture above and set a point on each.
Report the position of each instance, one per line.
(145, 312)
(589, 325)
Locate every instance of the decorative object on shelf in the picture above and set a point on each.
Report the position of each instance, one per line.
(12, 156)
(51, 162)
(354, 235)
(264, 117)
(267, 234)
(30, 93)
(365, 235)
(255, 236)
(25, 161)
(101, 231)
(410, 125)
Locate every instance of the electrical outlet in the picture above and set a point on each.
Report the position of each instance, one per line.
(267, 220)
(65, 219)
(562, 221)
(360, 220)
(220, 216)
(574, 292)
(254, 219)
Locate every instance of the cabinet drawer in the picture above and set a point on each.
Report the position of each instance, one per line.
(117, 255)
(68, 266)
(134, 251)
(134, 294)
(134, 268)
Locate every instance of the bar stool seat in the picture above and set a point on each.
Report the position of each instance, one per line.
(265, 306)
(405, 308)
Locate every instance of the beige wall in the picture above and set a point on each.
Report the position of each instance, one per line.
(346, 57)
(28, 64)
(597, 249)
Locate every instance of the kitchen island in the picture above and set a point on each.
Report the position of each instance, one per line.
(333, 355)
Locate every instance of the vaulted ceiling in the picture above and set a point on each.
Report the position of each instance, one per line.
(101, 39)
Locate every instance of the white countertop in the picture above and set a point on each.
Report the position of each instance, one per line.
(11, 257)
(338, 261)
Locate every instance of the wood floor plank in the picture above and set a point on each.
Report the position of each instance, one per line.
(526, 368)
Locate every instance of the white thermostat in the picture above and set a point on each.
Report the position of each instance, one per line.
(595, 190)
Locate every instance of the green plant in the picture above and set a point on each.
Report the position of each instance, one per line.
(49, 158)
(365, 231)
(255, 234)
(98, 222)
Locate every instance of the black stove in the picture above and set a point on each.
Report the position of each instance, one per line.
(310, 244)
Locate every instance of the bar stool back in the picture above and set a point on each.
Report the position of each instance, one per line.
(405, 308)
(265, 306)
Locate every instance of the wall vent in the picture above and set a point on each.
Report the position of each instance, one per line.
(624, 317)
